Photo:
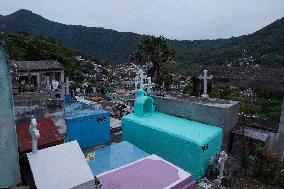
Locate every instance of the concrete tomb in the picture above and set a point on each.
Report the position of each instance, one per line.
(59, 167)
(90, 126)
(187, 144)
(150, 172)
(113, 156)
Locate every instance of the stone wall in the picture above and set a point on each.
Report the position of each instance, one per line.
(39, 105)
(9, 157)
(216, 112)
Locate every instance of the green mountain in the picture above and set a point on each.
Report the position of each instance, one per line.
(266, 46)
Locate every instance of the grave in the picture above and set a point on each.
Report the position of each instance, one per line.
(187, 144)
(49, 135)
(217, 112)
(113, 156)
(59, 167)
(149, 172)
(90, 126)
(9, 157)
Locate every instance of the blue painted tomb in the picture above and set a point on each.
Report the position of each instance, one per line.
(88, 125)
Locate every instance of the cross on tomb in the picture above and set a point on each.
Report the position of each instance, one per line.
(35, 135)
(205, 77)
(140, 77)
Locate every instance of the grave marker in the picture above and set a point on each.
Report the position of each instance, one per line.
(35, 135)
(205, 77)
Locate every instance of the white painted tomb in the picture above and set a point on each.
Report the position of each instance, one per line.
(61, 167)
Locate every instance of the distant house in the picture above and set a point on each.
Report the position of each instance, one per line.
(36, 73)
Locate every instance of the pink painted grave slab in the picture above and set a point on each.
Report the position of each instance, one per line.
(151, 172)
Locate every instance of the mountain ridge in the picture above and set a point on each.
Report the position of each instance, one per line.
(115, 47)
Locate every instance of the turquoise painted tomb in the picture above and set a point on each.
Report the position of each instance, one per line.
(187, 144)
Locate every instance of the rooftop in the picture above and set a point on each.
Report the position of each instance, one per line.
(39, 65)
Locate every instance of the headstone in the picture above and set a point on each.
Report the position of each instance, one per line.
(205, 77)
(35, 135)
(9, 157)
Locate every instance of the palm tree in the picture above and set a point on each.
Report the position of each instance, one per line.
(153, 50)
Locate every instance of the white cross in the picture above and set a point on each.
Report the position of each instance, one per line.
(205, 77)
(35, 135)
(140, 77)
(67, 86)
(223, 156)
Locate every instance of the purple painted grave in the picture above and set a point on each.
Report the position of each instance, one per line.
(151, 172)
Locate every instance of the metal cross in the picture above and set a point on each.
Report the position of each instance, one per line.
(205, 77)
(35, 135)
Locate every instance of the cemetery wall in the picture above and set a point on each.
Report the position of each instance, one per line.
(36, 105)
(223, 114)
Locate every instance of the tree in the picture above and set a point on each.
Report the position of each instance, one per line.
(153, 50)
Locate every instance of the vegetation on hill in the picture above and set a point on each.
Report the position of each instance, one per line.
(266, 46)
(21, 46)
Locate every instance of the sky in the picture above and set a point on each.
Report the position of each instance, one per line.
(174, 19)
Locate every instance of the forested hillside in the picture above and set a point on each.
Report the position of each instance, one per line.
(266, 46)
(21, 46)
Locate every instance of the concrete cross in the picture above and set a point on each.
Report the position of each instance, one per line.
(67, 86)
(35, 135)
(142, 77)
(205, 77)
(223, 156)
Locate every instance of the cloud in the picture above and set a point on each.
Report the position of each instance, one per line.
(175, 19)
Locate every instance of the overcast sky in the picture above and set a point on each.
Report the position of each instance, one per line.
(175, 19)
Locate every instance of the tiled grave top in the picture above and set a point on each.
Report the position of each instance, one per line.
(114, 156)
(49, 135)
(189, 130)
(150, 172)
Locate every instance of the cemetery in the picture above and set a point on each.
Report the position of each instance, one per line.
(70, 140)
